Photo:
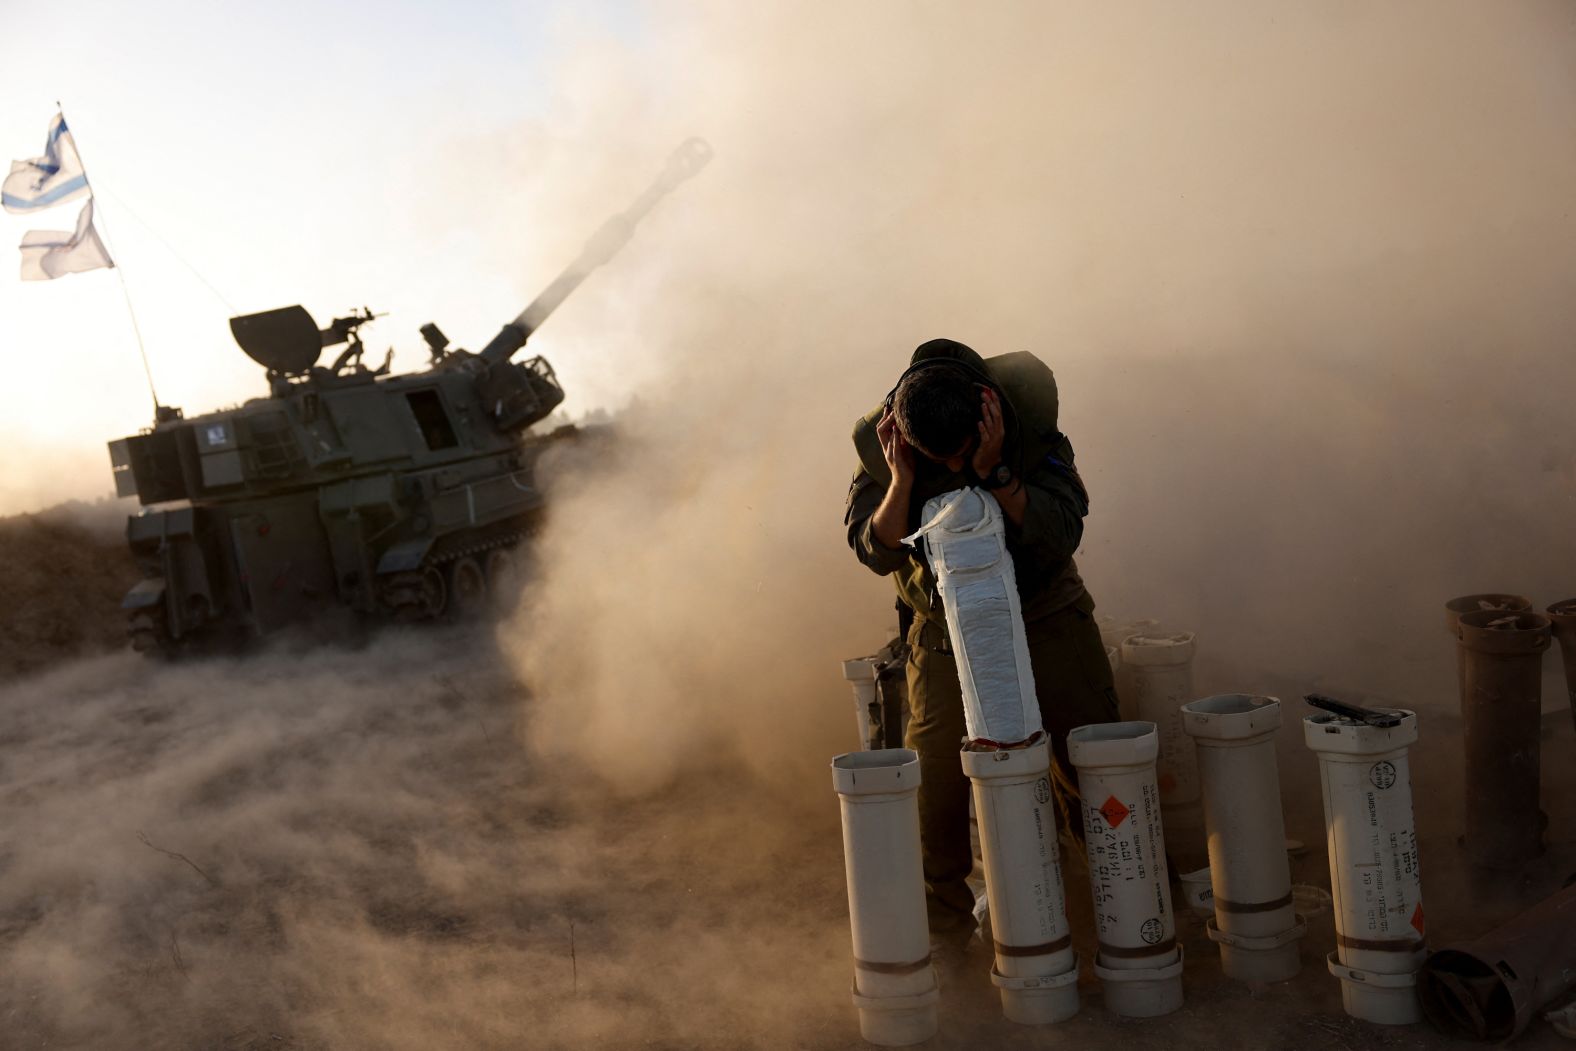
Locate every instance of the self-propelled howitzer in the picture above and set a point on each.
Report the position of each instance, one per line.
(397, 495)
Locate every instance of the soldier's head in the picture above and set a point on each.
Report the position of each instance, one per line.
(938, 411)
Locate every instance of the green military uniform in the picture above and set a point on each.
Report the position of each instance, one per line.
(1071, 674)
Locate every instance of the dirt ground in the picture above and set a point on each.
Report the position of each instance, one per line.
(358, 846)
(314, 847)
(65, 571)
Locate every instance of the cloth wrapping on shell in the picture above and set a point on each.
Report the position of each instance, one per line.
(966, 541)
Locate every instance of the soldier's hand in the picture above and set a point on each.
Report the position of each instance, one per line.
(993, 433)
(899, 454)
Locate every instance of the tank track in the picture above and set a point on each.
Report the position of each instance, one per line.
(147, 632)
(424, 593)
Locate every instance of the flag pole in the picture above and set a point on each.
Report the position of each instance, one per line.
(131, 312)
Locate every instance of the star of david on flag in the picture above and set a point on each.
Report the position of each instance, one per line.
(44, 182)
(54, 178)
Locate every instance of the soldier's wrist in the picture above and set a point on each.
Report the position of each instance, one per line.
(997, 478)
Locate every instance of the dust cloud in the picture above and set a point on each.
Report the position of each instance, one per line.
(1303, 275)
(45, 471)
(314, 848)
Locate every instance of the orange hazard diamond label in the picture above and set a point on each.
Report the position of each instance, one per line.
(1113, 810)
(1417, 918)
(1168, 782)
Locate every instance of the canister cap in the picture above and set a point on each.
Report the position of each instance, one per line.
(1505, 631)
(1158, 649)
(1563, 615)
(1327, 732)
(1114, 744)
(883, 771)
(1231, 717)
(991, 764)
(1489, 600)
(861, 670)
(1113, 631)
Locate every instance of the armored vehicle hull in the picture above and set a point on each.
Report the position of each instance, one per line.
(399, 496)
(384, 498)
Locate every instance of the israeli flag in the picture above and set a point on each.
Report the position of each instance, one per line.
(48, 254)
(43, 182)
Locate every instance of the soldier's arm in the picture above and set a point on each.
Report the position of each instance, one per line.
(865, 498)
(1054, 505)
(1014, 502)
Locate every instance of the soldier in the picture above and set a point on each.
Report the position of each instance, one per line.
(955, 419)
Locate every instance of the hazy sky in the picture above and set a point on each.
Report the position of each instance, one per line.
(334, 155)
(1342, 177)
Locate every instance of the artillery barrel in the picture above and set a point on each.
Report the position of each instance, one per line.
(691, 156)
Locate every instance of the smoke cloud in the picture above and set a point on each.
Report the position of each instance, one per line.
(52, 473)
(286, 850)
(1303, 275)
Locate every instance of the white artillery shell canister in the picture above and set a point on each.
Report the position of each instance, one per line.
(1113, 633)
(1374, 871)
(861, 674)
(966, 541)
(894, 983)
(1250, 877)
(1036, 968)
(1161, 670)
(1139, 961)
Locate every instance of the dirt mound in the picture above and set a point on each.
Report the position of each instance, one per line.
(62, 574)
